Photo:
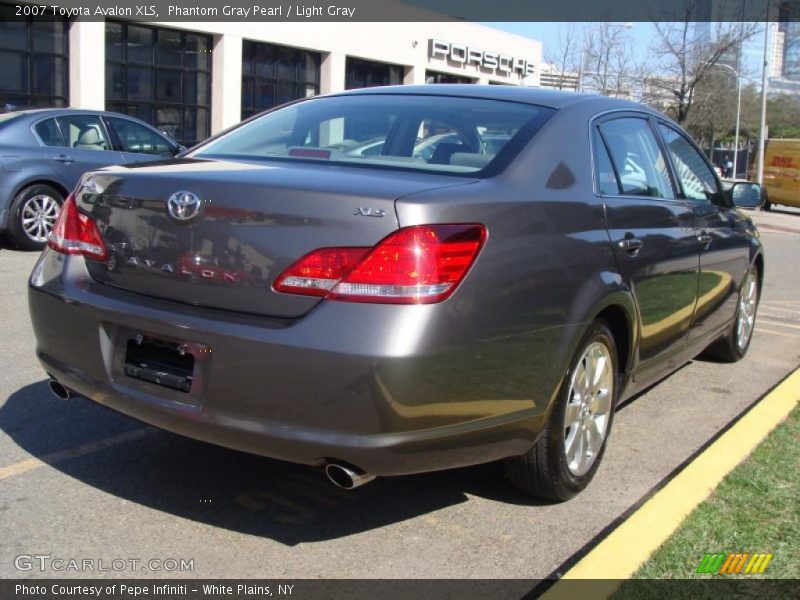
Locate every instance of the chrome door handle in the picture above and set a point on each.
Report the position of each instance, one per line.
(631, 245)
(705, 240)
(63, 158)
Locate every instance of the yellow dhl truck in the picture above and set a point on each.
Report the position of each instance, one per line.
(782, 173)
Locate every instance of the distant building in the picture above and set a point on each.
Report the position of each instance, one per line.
(776, 57)
(196, 78)
(790, 68)
(658, 92)
(552, 77)
(785, 58)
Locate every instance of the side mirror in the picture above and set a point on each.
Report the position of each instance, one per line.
(746, 195)
(178, 149)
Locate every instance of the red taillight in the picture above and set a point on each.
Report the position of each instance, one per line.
(319, 271)
(76, 233)
(414, 265)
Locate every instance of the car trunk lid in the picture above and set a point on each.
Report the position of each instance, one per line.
(254, 220)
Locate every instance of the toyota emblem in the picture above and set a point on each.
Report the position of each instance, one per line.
(183, 205)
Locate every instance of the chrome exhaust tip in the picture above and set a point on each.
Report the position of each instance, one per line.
(59, 390)
(345, 477)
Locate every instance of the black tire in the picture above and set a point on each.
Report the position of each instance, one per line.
(543, 471)
(767, 206)
(727, 348)
(16, 231)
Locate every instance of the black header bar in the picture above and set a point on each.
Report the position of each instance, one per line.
(406, 10)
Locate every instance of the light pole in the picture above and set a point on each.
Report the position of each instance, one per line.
(738, 115)
(762, 136)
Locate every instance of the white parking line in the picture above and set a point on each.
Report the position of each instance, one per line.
(767, 312)
(29, 464)
(777, 323)
(781, 333)
(777, 318)
(795, 311)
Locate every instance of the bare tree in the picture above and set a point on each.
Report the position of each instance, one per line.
(564, 57)
(686, 56)
(608, 63)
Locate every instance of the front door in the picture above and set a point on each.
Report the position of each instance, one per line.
(723, 244)
(653, 235)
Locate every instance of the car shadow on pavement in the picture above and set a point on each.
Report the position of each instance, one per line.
(5, 243)
(288, 503)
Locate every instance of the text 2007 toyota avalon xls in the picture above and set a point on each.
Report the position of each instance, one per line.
(314, 287)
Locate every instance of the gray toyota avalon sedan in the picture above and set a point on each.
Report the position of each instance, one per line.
(392, 312)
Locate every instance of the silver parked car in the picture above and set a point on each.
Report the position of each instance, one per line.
(44, 152)
(388, 313)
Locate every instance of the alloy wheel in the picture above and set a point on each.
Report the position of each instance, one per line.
(588, 408)
(748, 302)
(38, 216)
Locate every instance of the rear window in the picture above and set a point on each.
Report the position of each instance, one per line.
(433, 133)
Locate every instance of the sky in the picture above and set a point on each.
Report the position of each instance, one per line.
(642, 33)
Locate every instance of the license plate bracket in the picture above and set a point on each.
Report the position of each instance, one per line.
(160, 362)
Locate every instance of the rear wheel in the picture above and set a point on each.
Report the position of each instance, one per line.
(734, 344)
(565, 458)
(33, 214)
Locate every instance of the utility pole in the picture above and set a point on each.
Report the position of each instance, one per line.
(738, 113)
(762, 136)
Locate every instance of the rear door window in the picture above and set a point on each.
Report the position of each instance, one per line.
(607, 183)
(50, 133)
(84, 132)
(637, 158)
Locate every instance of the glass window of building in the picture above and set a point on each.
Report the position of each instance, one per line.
(273, 75)
(33, 56)
(364, 73)
(434, 77)
(162, 76)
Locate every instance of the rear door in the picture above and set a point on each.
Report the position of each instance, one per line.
(652, 232)
(86, 146)
(137, 142)
(723, 244)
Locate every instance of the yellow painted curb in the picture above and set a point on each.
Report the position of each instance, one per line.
(621, 554)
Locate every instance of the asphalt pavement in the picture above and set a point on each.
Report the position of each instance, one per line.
(78, 481)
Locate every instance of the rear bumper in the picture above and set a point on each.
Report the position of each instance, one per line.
(392, 390)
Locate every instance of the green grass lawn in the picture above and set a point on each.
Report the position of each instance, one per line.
(756, 508)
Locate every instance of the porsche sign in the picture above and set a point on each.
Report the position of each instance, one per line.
(464, 56)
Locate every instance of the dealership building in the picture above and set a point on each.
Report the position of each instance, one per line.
(194, 79)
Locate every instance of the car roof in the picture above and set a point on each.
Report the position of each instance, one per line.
(55, 112)
(530, 95)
